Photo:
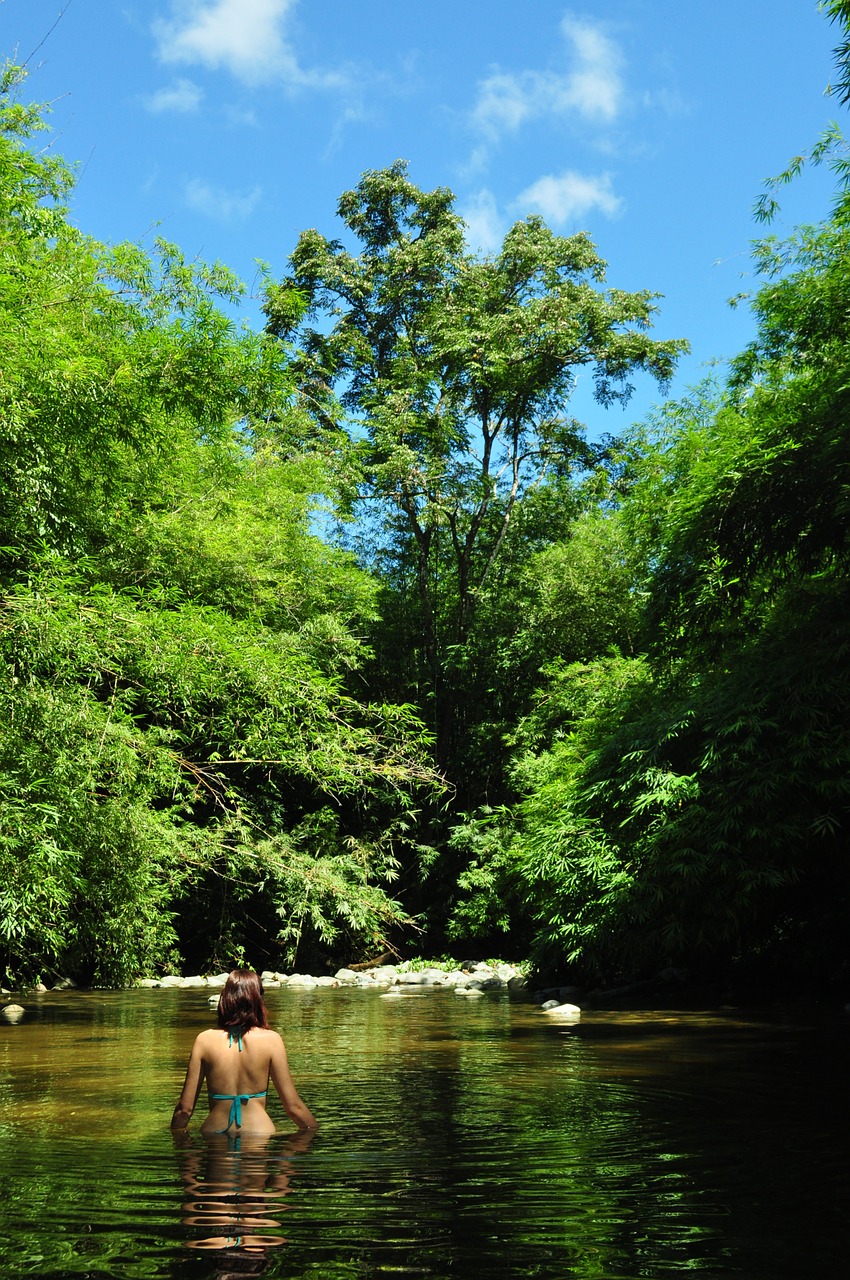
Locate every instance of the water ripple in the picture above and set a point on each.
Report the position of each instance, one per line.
(476, 1142)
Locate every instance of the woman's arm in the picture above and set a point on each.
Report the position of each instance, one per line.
(294, 1106)
(191, 1088)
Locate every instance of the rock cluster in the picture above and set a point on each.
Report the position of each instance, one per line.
(470, 979)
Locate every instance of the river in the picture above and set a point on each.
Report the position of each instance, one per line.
(458, 1138)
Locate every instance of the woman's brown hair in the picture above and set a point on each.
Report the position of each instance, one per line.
(241, 1002)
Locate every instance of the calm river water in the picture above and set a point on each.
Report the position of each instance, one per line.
(458, 1138)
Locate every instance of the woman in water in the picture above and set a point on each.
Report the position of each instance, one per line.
(237, 1059)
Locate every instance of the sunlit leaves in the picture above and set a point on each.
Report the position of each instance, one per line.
(175, 637)
(709, 790)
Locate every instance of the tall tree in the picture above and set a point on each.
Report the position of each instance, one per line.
(458, 373)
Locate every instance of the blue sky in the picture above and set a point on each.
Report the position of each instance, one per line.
(228, 126)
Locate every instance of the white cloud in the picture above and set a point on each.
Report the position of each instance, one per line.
(591, 87)
(245, 37)
(505, 101)
(568, 196)
(485, 226)
(183, 96)
(223, 206)
(558, 199)
(594, 87)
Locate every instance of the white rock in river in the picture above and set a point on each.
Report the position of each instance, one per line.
(12, 1013)
(554, 1010)
(433, 977)
(268, 975)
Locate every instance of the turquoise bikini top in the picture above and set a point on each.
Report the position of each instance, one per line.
(236, 1100)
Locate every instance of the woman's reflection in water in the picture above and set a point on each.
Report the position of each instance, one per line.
(238, 1184)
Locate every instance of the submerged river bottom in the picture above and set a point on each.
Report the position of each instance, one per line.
(457, 1139)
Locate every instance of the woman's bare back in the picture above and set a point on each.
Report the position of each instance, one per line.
(237, 1068)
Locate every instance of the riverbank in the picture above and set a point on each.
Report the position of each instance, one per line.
(670, 988)
(467, 979)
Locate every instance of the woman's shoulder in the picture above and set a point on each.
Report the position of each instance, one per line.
(212, 1035)
(264, 1040)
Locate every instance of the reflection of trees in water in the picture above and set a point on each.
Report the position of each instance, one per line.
(234, 1187)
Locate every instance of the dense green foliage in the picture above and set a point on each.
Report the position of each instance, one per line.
(584, 700)
(691, 803)
(181, 762)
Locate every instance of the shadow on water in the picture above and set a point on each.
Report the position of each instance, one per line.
(456, 1139)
